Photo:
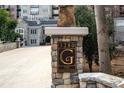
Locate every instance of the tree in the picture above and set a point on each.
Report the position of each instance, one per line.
(103, 40)
(3, 19)
(7, 26)
(66, 16)
(86, 18)
(110, 27)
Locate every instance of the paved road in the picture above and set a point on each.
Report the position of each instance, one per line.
(28, 67)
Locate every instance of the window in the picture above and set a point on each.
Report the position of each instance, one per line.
(45, 10)
(20, 30)
(17, 30)
(33, 31)
(24, 11)
(55, 11)
(121, 10)
(43, 30)
(55, 6)
(32, 17)
(34, 10)
(56, 17)
(33, 41)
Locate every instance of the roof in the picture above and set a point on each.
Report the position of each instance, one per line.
(49, 22)
(41, 22)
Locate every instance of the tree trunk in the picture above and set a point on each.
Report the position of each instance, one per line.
(66, 16)
(90, 62)
(103, 40)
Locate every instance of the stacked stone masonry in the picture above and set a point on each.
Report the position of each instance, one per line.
(7, 46)
(66, 80)
(100, 80)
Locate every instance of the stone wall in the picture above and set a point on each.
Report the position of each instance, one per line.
(100, 80)
(66, 80)
(7, 46)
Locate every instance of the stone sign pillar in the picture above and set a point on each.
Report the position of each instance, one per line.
(66, 52)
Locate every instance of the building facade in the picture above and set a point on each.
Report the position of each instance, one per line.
(119, 30)
(119, 24)
(55, 11)
(35, 12)
(32, 21)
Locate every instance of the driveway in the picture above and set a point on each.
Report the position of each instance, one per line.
(28, 67)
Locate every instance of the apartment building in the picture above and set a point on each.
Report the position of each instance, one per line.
(33, 19)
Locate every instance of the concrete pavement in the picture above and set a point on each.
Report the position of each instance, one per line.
(28, 67)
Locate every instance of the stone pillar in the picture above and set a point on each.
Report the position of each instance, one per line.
(66, 79)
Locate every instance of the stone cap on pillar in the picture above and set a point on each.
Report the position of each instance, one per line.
(66, 31)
